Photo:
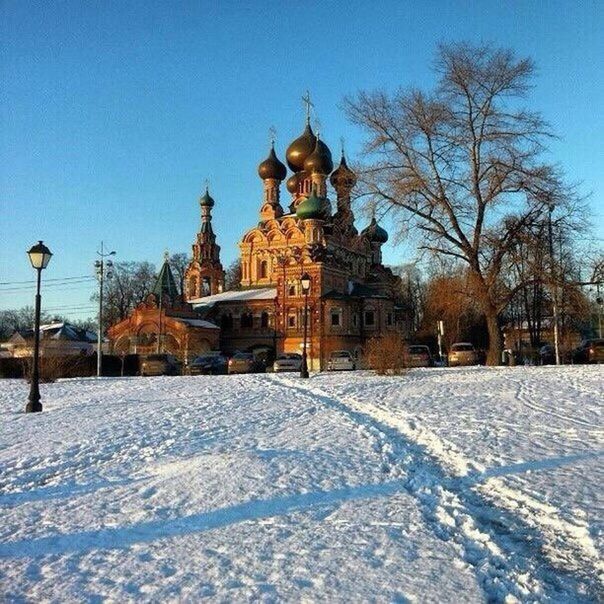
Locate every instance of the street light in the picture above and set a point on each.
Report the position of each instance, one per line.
(102, 267)
(554, 287)
(39, 256)
(305, 283)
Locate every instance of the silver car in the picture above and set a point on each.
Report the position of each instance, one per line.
(289, 361)
(341, 360)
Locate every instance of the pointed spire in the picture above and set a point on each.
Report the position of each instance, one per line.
(165, 284)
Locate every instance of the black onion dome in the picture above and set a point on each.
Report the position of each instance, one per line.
(319, 161)
(375, 233)
(300, 149)
(206, 200)
(271, 167)
(343, 176)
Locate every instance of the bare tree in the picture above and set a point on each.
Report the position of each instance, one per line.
(130, 285)
(464, 164)
(232, 276)
(178, 264)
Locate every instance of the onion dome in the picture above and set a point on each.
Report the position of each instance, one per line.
(206, 200)
(271, 167)
(294, 181)
(319, 161)
(300, 149)
(375, 233)
(311, 207)
(343, 176)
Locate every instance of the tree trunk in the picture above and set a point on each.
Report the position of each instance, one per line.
(495, 337)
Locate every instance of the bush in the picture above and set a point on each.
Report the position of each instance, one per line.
(386, 354)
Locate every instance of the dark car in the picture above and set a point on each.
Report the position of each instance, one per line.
(418, 355)
(160, 364)
(245, 362)
(589, 351)
(209, 364)
(547, 355)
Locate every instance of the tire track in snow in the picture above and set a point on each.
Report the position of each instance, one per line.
(496, 528)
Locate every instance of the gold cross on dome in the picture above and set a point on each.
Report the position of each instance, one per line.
(306, 100)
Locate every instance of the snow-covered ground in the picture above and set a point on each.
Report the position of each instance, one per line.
(447, 485)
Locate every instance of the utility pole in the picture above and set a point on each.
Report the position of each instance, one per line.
(554, 288)
(102, 266)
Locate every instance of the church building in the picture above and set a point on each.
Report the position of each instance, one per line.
(352, 297)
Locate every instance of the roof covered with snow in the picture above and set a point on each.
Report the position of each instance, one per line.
(197, 323)
(266, 293)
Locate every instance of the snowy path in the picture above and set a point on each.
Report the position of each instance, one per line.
(459, 485)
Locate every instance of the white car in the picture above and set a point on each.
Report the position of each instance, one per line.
(289, 361)
(341, 360)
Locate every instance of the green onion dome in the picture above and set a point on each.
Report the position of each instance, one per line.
(375, 233)
(311, 207)
(319, 161)
(206, 200)
(300, 149)
(343, 176)
(271, 167)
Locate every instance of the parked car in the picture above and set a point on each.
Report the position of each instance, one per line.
(589, 351)
(160, 364)
(418, 355)
(341, 360)
(289, 361)
(209, 364)
(245, 362)
(462, 353)
(547, 355)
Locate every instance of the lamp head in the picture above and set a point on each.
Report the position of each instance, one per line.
(305, 282)
(39, 256)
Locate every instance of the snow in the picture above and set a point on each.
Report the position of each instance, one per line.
(465, 485)
(266, 293)
(196, 323)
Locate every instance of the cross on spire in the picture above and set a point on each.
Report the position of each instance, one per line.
(207, 184)
(306, 100)
(342, 145)
(272, 134)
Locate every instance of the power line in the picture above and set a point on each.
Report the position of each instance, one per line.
(53, 286)
(46, 280)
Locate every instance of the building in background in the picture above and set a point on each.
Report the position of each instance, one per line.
(163, 323)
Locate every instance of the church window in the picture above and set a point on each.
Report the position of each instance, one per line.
(247, 320)
(206, 285)
(389, 319)
(336, 317)
(264, 320)
(263, 269)
(355, 319)
(292, 290)
(369, 318)
(291, 321)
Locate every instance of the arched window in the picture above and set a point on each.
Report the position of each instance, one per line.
(247, 320)
(292, 290)
(206, 286)
(264, 320)
(263, 269)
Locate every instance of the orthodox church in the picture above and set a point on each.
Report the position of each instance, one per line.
(352, 297)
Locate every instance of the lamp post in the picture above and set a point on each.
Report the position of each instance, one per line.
(39, 256)
(305, 283)
(551, 207)
(102, 266)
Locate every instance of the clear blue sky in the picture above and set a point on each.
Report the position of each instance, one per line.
(113, 114)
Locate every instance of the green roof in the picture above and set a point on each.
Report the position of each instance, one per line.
(165, 285)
